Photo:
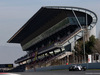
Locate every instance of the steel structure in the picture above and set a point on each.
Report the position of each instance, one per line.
(50, 21)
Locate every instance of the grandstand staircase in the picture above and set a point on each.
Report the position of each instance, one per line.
(63, 55)
(62, 42)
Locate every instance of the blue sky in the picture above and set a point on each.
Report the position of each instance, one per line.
(15, 13)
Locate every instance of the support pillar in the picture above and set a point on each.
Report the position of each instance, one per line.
(99, 57)
(60, 49)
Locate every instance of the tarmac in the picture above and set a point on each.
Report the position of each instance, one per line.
(60, 72)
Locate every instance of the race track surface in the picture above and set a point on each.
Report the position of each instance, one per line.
(60, 72)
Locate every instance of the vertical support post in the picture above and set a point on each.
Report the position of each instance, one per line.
(87, 35)
(75, 39)
(60, 49)
(86, 21)
(53, 52)
(65, 59)
(84, 44)
(68, 59)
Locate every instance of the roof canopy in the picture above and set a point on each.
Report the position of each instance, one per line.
(41, 18)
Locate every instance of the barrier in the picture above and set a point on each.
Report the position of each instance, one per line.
(62, 67)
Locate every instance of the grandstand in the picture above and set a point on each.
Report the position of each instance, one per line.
(49, 36)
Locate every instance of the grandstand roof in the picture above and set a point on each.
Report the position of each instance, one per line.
(42, 20)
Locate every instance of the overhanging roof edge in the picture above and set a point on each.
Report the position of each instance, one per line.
(24, 25)
(49, 7)
(70, 7)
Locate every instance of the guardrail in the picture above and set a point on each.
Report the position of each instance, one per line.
(62, 67)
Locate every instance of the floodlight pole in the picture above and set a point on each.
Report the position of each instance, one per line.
(84, 43)
(84, 38)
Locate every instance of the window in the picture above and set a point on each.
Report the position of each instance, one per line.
(73, 20)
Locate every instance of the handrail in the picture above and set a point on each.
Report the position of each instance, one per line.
(69, 36)
(57, 43)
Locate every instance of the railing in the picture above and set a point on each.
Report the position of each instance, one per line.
(51, 45)
(61, 42)
(66, 38)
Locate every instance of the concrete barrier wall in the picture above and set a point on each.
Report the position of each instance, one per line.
(61, 67)
(91, 65)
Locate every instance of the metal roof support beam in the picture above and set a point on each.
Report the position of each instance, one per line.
(86, 21)
(77, 19)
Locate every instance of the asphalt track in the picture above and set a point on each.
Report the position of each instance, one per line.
(60, 72)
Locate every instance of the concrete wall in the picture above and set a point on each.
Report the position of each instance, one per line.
(92, 65)
(88, 65)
